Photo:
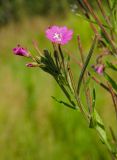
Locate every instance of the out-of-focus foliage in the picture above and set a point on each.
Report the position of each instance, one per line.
(11, 10)
(14, 10)
(45, 7)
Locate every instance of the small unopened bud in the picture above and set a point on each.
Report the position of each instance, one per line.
(32, 64)
(99, 69)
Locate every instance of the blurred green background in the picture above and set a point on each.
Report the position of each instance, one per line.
(32, 125)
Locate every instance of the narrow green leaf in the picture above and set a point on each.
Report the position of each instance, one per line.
(64, 103)
(94, 98)
(112, 82)
(85, 65)
(104, 37)
(89, 20)
(96, 122)
(92, 123)
(101, 130)
(110, 65)
(81, 3)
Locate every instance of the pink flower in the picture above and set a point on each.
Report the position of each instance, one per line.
(59, 35)
(99, 69)
(21, 51)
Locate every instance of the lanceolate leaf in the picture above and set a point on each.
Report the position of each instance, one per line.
(101, 130)
(85, 65)
(96, 122)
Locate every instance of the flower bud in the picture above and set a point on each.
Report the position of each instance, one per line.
(32, 64)
(21, 51)
(99, 69)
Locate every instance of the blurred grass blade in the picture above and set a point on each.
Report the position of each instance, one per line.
(114, 5)
(85, 65)
(112, 82)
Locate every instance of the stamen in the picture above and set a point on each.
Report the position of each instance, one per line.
(57, 36)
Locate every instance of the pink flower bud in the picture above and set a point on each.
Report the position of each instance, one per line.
(21, 51)
(32, 64)
(99, 69)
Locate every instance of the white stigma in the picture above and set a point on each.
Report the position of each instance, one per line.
(57, 36)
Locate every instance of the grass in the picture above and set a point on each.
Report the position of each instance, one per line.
(32, 125)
